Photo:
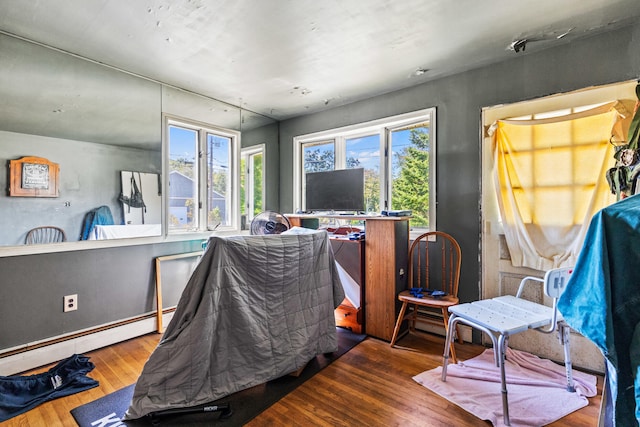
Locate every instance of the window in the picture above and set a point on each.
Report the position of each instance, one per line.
(397, 153)
(251, 184)
(550, 180)
(202, 177)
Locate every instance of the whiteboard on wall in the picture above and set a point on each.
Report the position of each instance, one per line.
(149, 185)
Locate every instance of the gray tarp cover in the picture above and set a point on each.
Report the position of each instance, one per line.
(255, 308)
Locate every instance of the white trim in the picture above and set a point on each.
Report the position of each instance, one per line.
(248, 153)
(234, 170)
(41, 356)
(359, 128)
(81, 245)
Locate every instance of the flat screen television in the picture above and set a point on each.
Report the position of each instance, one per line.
(337, 190)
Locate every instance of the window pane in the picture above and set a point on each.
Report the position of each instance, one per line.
(410, 172)
(319, 157)
(218, 181)
(251, 187)
(257, 180)
(364, 152)
(183, 167)
(244, 190)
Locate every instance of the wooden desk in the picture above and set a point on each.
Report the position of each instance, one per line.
(386, 251)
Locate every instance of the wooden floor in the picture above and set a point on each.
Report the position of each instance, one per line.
(370, 385)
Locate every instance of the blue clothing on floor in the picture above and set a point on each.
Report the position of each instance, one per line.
(602, 301)
(18, 394)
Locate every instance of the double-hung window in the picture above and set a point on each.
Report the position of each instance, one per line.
(398, 157)
(202, 177)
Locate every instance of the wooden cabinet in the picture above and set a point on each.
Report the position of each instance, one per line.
(387, 247)
(385, 268)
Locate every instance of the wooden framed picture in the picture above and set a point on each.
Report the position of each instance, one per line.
(33, 177)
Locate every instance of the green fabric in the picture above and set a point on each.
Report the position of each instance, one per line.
(620, 177)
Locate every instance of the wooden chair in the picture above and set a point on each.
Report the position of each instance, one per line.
(45, 234)
(434, 265)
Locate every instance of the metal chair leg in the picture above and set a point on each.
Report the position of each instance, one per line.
(499, 353)
(452, 332)
(453, 321)
(563, 335)
(503, 379)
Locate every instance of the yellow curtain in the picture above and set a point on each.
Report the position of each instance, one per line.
(550, 181)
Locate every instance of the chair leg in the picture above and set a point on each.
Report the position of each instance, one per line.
(445, 317)
(564, 331)
(453, 321)
(458, 335)
(414, 316)
(396, 330)
(503, 379)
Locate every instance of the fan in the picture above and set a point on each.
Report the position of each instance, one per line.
(269, 222)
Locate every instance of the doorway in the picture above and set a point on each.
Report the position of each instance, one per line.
(499, 276)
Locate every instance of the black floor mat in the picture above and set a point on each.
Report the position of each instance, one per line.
(245, 404)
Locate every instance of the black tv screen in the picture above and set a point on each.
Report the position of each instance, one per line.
(338, 190)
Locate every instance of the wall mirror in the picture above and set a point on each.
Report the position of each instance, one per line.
(94, 121)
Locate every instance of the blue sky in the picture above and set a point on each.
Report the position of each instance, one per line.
(183, 145)
(367, 149)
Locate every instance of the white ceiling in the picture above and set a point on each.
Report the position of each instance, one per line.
(284, 58)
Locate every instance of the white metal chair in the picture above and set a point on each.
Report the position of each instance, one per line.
(507, 315)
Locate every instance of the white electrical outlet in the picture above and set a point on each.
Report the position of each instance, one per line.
(70, 302)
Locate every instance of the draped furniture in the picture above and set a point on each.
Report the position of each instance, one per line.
(255, 308)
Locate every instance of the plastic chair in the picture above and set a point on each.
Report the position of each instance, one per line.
(507, 315)
(433, 276)
(45, 234)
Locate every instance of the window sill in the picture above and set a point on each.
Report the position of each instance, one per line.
(10, 251)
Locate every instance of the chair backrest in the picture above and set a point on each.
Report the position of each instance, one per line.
(434, 262)
(45, 234)
(555, 281)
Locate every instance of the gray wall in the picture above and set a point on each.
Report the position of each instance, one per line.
(601, 59)
(89, 177)
(112, 284)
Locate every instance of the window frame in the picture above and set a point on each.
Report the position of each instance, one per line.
(203, 129)
(383, 127)
(248, 154)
